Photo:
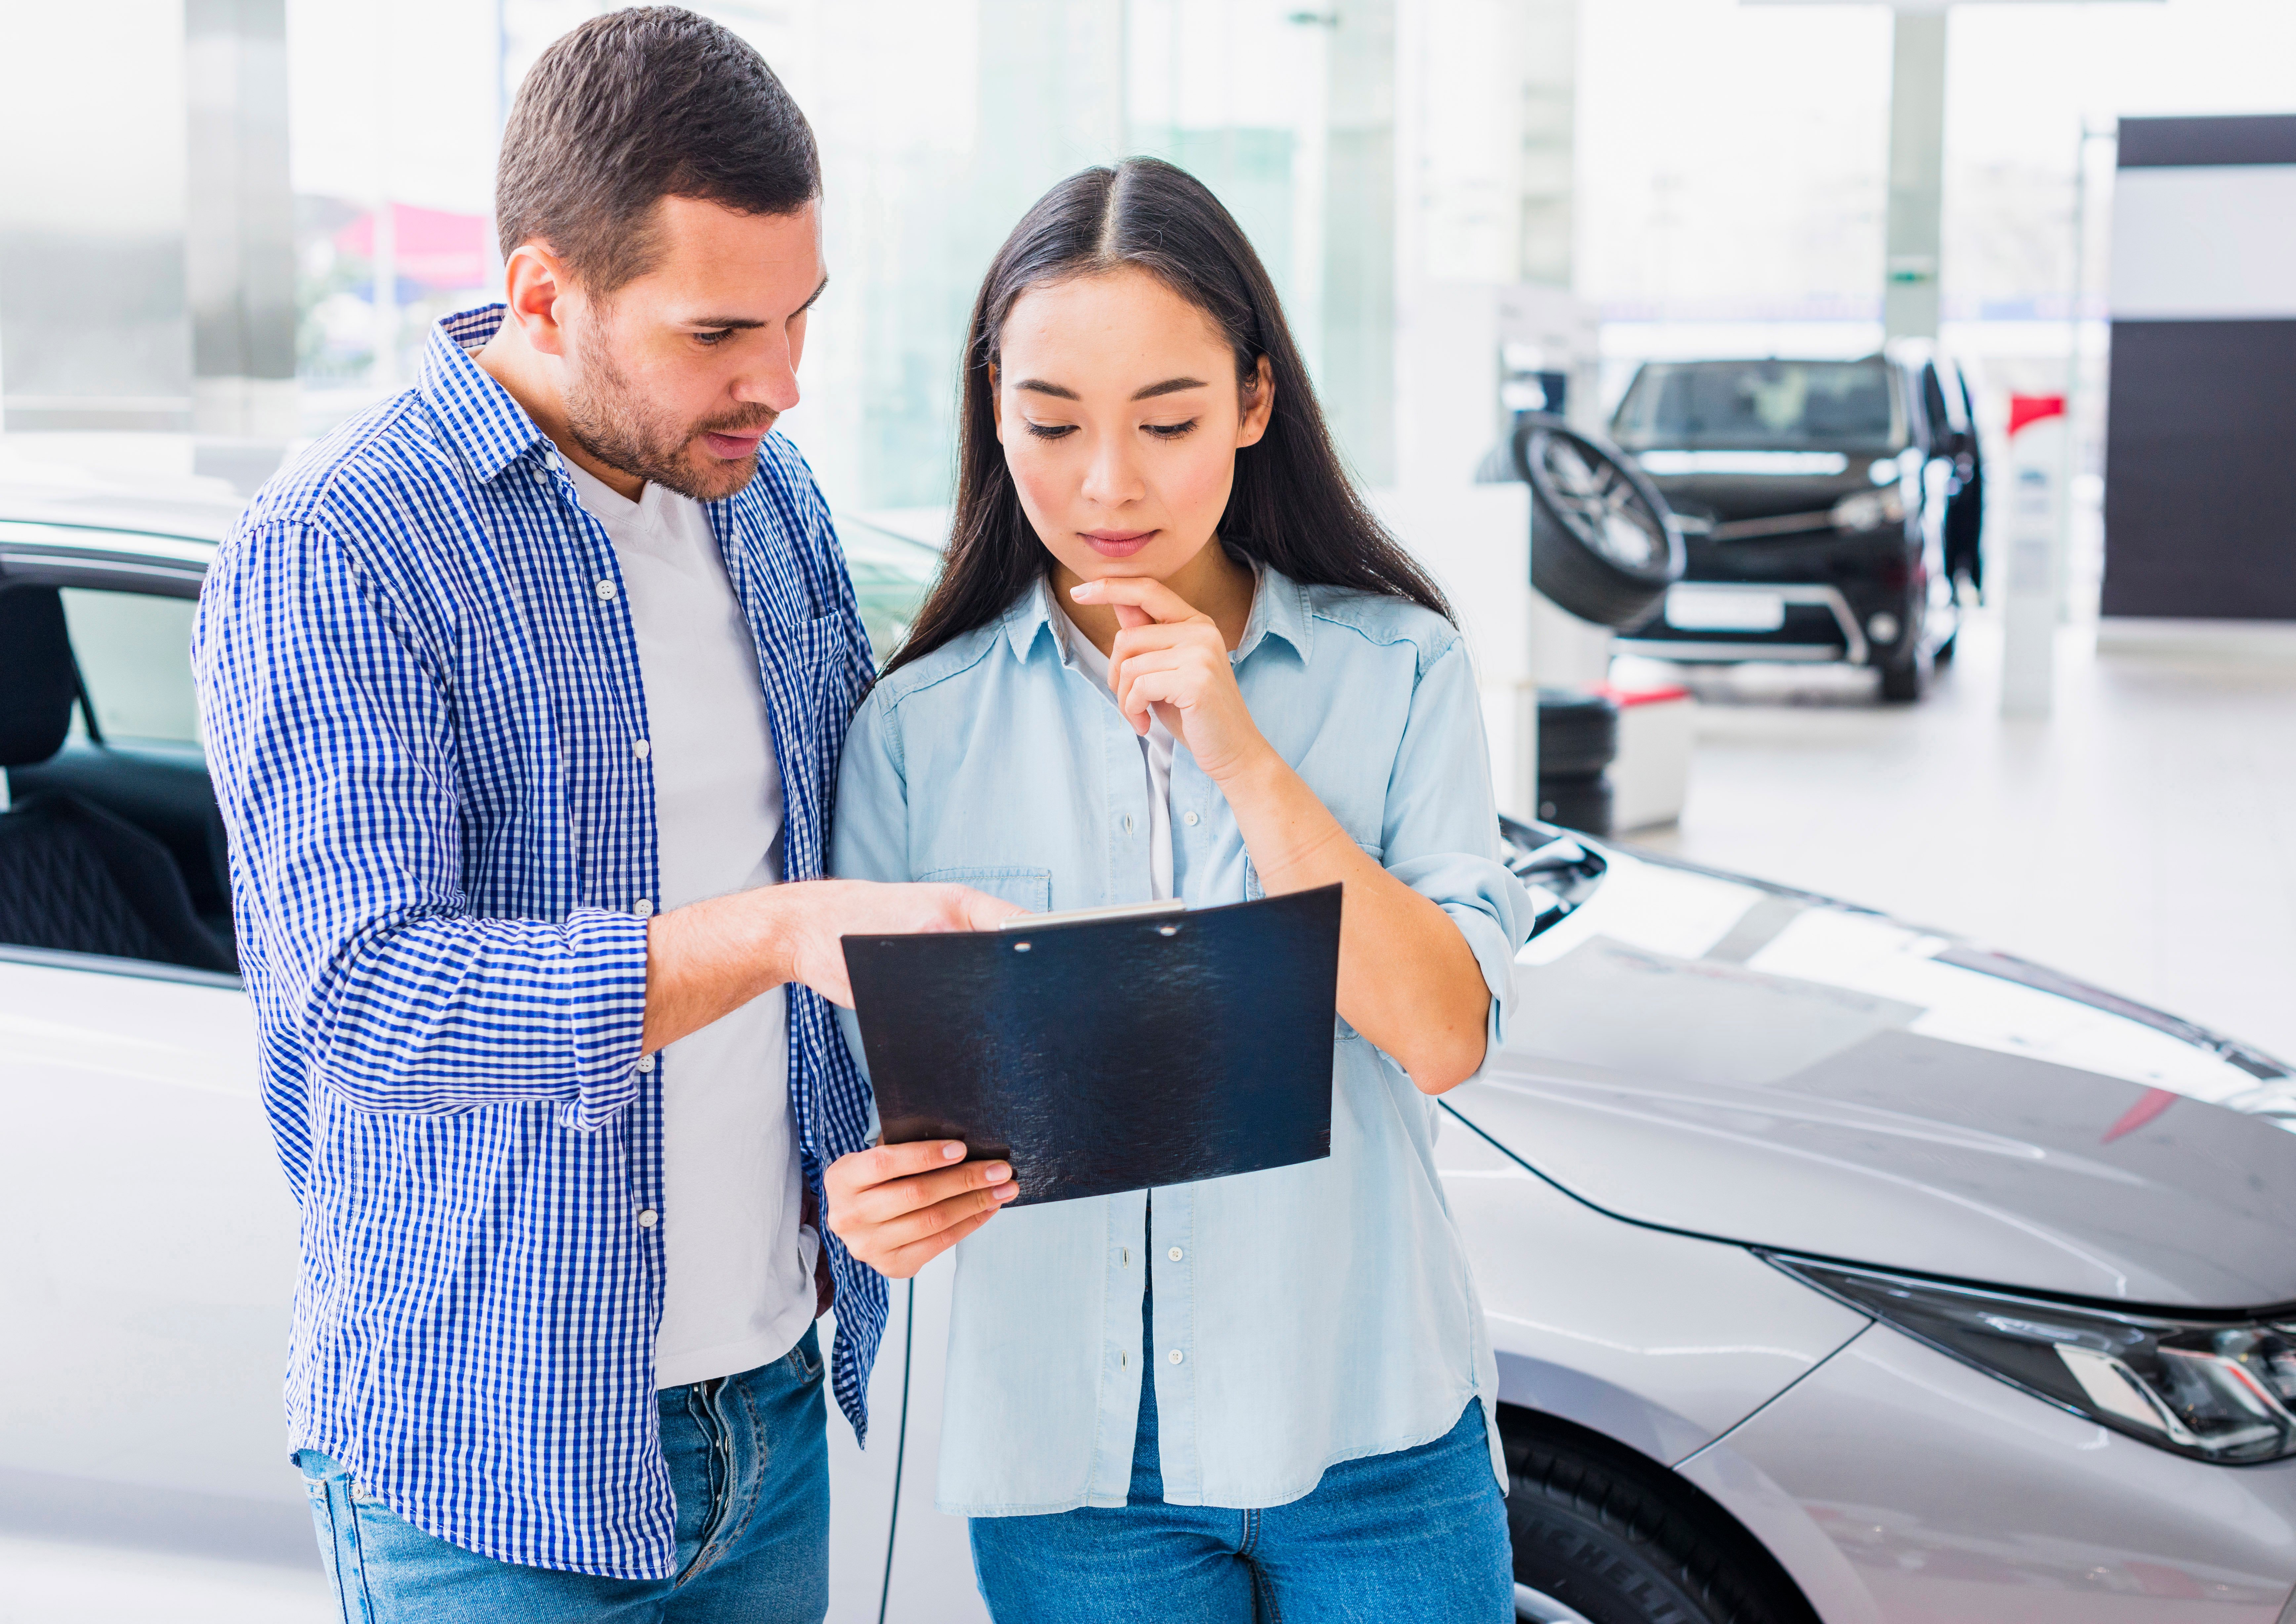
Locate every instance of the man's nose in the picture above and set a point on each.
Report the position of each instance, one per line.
(773, 380)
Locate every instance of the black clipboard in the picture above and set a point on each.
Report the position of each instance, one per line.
(1110, 1055)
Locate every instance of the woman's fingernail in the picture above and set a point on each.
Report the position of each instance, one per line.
(951, 1151)
(997, 1172)
(1005, 1193)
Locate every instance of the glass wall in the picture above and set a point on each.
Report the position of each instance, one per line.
(939, 120)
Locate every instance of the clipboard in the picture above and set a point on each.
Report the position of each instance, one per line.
(1123, 1052)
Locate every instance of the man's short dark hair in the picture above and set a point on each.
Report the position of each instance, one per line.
(633, 107)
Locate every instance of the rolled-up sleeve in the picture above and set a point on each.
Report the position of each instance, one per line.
(332, 746)
(1440, 835)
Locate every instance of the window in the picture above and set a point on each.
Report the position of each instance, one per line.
(135, 652)
(1836, 406)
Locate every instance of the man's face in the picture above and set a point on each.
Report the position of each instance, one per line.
(675, 376)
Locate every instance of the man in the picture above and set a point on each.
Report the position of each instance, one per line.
(524, 694)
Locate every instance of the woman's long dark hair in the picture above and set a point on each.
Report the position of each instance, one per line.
(1292, 507)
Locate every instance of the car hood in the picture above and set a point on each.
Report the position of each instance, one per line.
(1708, 1055)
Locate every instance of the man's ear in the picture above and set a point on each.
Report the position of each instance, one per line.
(534, 286)
(1258, 392)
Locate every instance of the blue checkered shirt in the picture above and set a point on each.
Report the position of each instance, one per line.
(421, 690)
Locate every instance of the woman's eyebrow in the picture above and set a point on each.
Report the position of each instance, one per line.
(1170, 386)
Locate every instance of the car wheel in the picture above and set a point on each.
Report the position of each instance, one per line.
(1905, 680)
(1619, 1541)
(1604, 544)
(1578, 732)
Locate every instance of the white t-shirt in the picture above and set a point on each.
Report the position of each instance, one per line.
(739, 1291)
(1156, 759)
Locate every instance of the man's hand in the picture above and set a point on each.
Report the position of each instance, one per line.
(714, 957)
(898, 1206)
(832, 910)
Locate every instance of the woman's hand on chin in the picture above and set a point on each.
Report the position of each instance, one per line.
(1171, 663)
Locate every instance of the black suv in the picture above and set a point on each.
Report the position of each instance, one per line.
(1829, 510)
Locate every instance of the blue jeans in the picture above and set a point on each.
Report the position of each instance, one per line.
(749, 1464)
(1418, 1536)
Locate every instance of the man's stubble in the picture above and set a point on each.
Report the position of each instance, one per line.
(609, 419)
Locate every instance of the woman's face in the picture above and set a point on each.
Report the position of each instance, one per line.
(1118, 408)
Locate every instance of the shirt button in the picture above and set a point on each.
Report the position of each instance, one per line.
(1176, 1254)
(1128, 823)
(642, 907)
(645, 1062)
(1193, 820)
(640, 749)
(608, 591)
(648, 1219)
(1175, 1356)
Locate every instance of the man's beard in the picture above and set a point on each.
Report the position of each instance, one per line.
(609, 420)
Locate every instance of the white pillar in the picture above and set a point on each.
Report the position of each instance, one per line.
(1917, 201)
(2037, 528)
(239, 246)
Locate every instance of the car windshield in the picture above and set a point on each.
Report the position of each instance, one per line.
(1838, 406)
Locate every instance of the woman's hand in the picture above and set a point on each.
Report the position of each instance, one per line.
(1169, 662)
(898, 1206)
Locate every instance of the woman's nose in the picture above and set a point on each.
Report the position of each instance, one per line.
(1112, 479)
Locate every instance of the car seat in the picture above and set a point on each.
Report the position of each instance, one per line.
(74, 878)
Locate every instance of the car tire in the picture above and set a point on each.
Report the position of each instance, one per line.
(1905, 681)
(1577, 733)
(1582, 802)
(1622, 1541)
(1604, 544)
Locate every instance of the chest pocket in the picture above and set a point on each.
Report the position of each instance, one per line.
(1028, 888)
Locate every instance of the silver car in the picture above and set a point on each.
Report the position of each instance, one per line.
(1838, 1269)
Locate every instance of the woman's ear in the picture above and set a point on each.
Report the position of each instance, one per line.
(1259, 393)
(995, 402)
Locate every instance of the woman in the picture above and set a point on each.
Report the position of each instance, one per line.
(1171, 653)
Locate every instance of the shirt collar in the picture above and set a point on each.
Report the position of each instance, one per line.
(481, 419)
(1279, 609)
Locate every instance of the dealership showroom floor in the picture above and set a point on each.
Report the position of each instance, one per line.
(2144, 838)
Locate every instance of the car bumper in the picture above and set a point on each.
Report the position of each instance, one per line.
(1820, 625)
(1897, 1485)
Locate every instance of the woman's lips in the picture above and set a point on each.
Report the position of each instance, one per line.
(1119, 544)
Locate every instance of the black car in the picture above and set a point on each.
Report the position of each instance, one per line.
(1829, 510)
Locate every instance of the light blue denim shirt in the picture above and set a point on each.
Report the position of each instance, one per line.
(1305, 1315)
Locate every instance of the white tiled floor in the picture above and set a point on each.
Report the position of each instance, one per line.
(2144, 838)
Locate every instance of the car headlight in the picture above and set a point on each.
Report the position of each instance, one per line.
(1870, 510)
(2216, 1390)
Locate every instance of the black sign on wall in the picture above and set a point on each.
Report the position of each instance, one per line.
(2199, 494)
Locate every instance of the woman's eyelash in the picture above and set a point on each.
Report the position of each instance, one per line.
(1161, 431)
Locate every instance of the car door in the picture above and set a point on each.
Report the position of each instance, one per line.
(145, 1289)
